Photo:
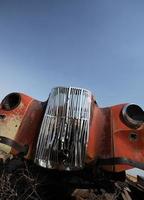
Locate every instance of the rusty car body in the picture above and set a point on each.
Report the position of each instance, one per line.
(69, 131)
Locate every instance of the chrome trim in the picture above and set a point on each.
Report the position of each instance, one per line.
(64, 132)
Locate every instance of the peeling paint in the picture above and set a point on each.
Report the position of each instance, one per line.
(8, 128)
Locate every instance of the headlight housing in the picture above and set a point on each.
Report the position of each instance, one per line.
(11, 101)
(133, 115)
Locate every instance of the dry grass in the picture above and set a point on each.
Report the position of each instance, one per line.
(18, 185)
(29, 182)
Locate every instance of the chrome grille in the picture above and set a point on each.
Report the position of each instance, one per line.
(64, 131)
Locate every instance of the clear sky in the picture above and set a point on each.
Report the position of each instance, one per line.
(94, 44)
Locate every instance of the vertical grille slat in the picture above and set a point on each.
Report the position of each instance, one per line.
(64, 132)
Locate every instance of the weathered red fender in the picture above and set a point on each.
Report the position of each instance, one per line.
(20, 118)
(117, 136)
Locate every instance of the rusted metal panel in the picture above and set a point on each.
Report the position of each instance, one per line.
(124, 144)
(20, 123)
(100, 144)
(30, 126)
(111, 137)
(11, 121)
(8, 128)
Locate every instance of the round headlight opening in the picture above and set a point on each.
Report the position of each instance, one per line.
(133, 115)
(11, 101)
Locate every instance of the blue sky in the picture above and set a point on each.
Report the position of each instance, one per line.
(94, 44)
